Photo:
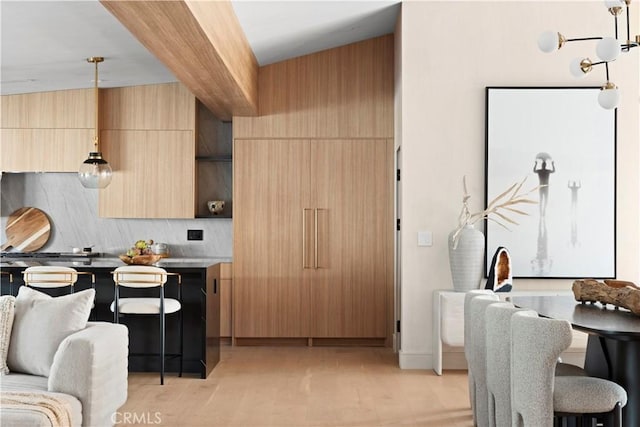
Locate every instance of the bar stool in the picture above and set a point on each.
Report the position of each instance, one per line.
(148, 277)
(6, 273)
(47, 277)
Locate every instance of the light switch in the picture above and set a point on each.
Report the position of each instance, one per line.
(425, 238)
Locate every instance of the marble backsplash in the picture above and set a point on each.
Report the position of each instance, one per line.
(73, 212)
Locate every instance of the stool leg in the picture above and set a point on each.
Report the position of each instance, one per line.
(161, 348)
(181, 341)
(617, 415)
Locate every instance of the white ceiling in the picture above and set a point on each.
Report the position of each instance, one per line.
(44, 44)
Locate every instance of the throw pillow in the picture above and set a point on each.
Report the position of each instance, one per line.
(41, 323)
(7, 304)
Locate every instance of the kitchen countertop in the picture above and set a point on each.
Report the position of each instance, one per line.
(109, 262)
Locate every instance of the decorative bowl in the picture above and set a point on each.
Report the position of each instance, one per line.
(215, 206)
(140, 259)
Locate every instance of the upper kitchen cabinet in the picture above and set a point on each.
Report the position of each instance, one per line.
(345, 92)
(46, 131)
(148, 136)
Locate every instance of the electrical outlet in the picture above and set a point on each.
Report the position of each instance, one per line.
(194, 234)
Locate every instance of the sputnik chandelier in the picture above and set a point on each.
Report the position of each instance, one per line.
(608, 49)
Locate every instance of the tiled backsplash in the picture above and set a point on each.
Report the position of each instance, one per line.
(73, 212)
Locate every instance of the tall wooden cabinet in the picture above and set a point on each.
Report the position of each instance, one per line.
(313, 216)
(313, 223)
(353, 201)
(271, 190)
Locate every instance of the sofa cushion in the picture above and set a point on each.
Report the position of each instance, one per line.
(7, 306)
(24, 417)
(40, 324)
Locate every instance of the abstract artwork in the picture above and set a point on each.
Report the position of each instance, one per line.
(564, 143)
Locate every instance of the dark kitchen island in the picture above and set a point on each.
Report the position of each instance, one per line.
(200, 301)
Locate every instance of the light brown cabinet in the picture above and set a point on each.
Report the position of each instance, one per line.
(223, 281)
(46, 131)
(311, 239)
(148, 137)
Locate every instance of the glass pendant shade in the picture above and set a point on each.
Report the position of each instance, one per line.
(613, 3)
(575, 67)
(608, 49)
(548, 41)
(609, 98)
(95, 172)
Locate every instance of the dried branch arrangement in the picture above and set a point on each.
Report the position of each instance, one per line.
(495, 210)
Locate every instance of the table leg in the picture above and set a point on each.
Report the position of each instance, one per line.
(618, 361)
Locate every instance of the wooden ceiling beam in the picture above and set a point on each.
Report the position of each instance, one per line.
(203, 45)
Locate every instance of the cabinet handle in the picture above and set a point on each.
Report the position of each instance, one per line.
(304, 240)
(315, 259)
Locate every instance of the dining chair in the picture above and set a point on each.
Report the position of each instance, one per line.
(498, 341)
(468, 338)
(537, 394)
(498, 344)
(477, 363)
(146, 277)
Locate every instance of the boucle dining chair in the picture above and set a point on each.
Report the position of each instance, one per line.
(145, 277)
(477, 362)
(498, 343)
(468, 337)
(537, 394)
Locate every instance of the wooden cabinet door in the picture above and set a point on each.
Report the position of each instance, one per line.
(351, 182)
(271, 196)
(153, 174)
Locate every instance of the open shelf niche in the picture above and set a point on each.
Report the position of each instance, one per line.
(213, 163)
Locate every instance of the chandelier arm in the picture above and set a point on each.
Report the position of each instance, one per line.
(606, 66)
(628, 29)
(615, 17)
(584, 38)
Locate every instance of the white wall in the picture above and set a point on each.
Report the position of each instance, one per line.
(450, 51)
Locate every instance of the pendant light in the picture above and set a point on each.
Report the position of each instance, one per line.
(608, 49)
(95, 172)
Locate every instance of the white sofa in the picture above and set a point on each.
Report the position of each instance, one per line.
(89, 373)
(448, 330)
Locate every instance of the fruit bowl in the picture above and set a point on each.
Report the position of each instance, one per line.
(140, 259)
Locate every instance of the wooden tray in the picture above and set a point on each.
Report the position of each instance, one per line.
(140, 259)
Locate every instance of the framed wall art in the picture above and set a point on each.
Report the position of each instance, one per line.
(560, 139)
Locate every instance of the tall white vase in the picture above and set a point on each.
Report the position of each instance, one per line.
(466, 259)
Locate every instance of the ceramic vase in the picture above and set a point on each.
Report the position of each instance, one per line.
(466, 258)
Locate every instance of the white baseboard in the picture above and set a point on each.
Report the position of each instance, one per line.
(415, 360)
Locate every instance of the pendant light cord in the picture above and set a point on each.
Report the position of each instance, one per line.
(95, 91)
(96, 139)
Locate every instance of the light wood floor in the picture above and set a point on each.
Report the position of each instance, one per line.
(302, 386)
